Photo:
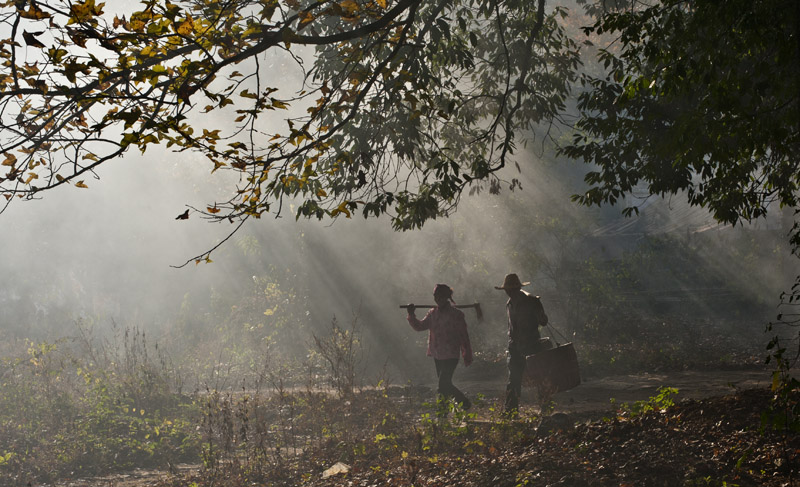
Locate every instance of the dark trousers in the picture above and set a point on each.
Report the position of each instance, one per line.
(516, 367)
(444, 371)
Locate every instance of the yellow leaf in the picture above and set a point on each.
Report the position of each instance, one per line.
(321, 193)
(342, 208)
(305, 18)
(350, 6)
(34, 13)
(382, 3)
(81, 184)
(246, 94)
(186, 27)
(213, 210)
(84, 11)
(11, 159)
(136, 25)
(217, 165)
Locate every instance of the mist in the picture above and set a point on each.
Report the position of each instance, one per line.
(146, 339)
(106, 257)
(114, 256)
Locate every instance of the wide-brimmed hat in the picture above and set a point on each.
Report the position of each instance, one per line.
(512, 282)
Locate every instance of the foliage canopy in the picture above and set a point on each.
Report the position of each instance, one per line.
(701, 97)
(401, 103)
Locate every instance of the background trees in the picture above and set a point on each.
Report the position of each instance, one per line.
(699, 97)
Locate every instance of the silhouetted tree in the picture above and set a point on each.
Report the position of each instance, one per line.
(701, 98)
(401, 103)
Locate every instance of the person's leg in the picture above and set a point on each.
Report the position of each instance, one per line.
(445, 369)
(442, 392)
(446, 387)
(516, 367)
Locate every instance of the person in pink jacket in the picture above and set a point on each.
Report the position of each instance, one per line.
(447, 340)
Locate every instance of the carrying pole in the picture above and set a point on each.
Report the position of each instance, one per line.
(476, 306)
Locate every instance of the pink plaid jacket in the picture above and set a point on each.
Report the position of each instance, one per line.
(447, 337)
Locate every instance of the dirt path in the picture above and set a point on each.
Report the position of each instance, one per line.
(629, 388)
(596, 394)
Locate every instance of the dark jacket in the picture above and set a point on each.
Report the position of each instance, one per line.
(525, 316)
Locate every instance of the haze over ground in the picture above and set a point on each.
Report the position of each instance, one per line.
(104, 255)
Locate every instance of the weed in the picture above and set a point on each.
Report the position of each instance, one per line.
(659, 402)
(341, 350)
(79, 407)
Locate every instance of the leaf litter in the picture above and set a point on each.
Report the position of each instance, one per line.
(709, 441)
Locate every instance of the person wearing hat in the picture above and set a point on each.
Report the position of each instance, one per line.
(525, 316)
(447, 339)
